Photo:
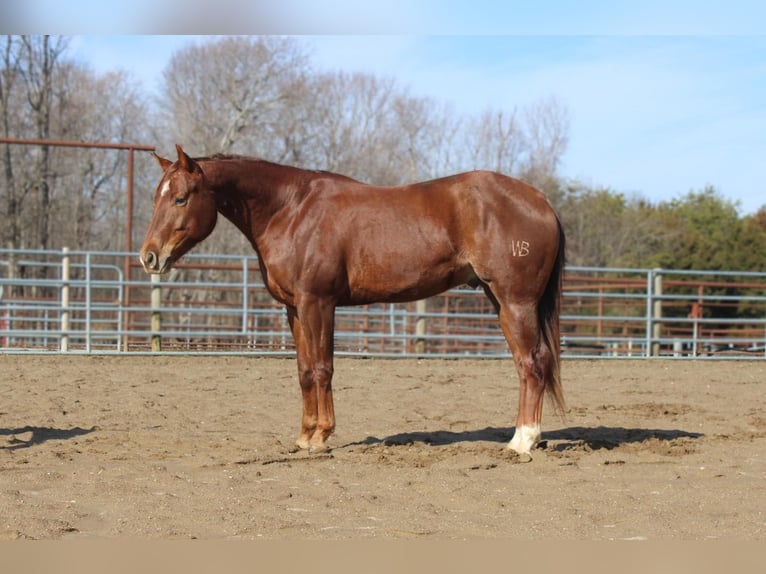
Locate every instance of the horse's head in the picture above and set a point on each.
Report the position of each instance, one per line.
(184, 213)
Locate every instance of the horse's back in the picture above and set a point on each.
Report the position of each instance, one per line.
(368, 243)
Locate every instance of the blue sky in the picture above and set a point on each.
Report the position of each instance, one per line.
(663, 97)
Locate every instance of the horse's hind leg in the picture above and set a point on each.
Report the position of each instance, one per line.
(534, 364)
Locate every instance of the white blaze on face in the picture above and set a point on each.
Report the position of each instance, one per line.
(165, 188)
(525, 438)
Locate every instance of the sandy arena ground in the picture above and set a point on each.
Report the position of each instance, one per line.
(199, 447)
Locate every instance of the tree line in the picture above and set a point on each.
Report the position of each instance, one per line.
(264, 96)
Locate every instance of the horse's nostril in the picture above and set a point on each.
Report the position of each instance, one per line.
(150, 260)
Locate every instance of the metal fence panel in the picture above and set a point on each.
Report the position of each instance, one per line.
(103, 302)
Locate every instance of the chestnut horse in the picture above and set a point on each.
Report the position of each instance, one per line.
(325, 240)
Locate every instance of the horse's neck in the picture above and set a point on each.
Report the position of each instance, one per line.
(248, 193)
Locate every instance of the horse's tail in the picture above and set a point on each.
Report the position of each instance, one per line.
(549, 310)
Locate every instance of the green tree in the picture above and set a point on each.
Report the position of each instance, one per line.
(708, 232)
(592, 218)
(607, 229)
(753, 242)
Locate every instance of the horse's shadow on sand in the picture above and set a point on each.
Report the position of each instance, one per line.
(595, 438)
(38, 435)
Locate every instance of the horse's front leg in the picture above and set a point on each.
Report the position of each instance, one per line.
(312, 325)
(308, 391)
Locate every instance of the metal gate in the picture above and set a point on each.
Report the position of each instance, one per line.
(103, 302)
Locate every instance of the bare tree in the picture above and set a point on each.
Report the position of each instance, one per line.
(351, 116)
(225, 95)
(44, 95)
(91, 182)
(494, 140)
(527, 143)
(427, 131)
(372, 129)
(546, 125)
(9, 75)
(41, 54)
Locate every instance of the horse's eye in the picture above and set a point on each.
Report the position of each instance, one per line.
(180, 201)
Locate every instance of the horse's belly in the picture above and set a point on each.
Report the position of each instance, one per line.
(395, 283)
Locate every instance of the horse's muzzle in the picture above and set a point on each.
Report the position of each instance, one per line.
(152, 263)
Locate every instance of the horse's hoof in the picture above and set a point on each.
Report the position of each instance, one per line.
(301, 444)
(319, 449)
(517, 456)
(525, 457)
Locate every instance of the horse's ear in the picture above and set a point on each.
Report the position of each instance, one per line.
(184, 161)
(164, 163)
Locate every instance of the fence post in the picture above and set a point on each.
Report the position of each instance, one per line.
(657, 313)
(88, 304)
(245, 295)
(420, 327)
(156, 302)
(65, 321)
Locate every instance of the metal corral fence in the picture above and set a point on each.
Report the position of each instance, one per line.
(103, 302)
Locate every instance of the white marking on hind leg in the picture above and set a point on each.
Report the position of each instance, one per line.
(525, 438)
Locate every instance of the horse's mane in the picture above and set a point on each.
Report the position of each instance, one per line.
(246, 158)
(249, 158)
(230, 156)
